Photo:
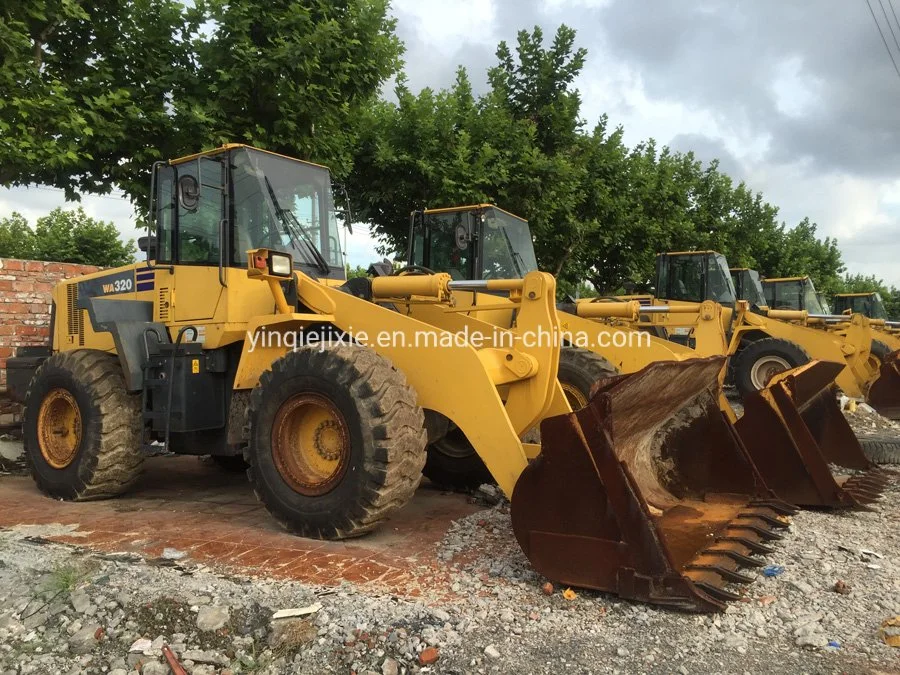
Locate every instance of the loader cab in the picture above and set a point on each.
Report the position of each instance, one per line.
(748, 287)
(211, 208)
(472, 242)
(867, 304)
(793, 293)
(694, 276)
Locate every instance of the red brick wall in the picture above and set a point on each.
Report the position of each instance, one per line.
(25, 287)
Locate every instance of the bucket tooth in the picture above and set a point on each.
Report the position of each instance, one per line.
(795, 432)
(646, 481)
(768, 535)
(724, 572)
(779, 507)
(752, 544)
(718, 592)
(884, 392)
(771, 521)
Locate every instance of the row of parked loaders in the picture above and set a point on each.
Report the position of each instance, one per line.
(627, 469)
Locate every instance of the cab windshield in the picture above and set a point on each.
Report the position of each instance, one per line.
(507, 248)
(753, 289)
(285, 205)
(811, 299)
(720, 288)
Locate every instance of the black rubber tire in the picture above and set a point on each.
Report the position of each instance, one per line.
(880, 350)
(881, 449)
(230, 463)
(108, 459)
(582, 369)
(386, 431)
(454, 464)
(745, 359)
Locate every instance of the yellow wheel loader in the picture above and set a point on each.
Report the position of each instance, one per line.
(882, 388)
(240, 336)
(793, 427)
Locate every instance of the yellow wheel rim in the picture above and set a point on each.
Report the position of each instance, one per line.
(576, 399)
(310, 443)
(59, 428)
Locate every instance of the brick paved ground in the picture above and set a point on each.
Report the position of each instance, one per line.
(213, 516)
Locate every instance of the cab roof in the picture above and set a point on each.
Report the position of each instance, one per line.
(855, 295)
(774, 280)
(471, 207)
(232, 146)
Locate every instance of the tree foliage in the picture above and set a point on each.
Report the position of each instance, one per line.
(65, 236)
(599, 211)
(94, 93)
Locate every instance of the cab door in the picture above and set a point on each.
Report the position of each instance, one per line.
(199, 241)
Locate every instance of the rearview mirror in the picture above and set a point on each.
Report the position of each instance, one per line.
(188, 193)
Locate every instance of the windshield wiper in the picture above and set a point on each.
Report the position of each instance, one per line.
(516, 256)
(297, 231)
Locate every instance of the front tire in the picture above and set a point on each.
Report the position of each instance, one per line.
(82, 428)
(337, 441)
(757, 363)
(579, 372)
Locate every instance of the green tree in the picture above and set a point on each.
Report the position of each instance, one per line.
(65, 236)
(89, 91)
(16, 238)
(94, 93)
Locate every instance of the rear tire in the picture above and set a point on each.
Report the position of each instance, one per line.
(759, 361)
(879, 352)
(82, 429)
(579, 372)
(454, 464)
(881, 449)
(337, 441)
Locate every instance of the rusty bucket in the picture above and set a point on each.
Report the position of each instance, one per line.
(648, 492)
(803, 446)
(884, 394)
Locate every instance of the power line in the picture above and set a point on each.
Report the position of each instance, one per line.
(891, 3)
(883, 39)
(890, 25)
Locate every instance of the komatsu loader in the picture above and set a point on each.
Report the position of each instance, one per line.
(240, 336)
(792, 427)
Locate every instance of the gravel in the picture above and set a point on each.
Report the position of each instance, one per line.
(64, 610)
(499, 620)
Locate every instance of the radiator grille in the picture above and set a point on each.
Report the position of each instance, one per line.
(164, 304)
(75, 316)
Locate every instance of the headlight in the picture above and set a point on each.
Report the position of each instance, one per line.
(280, 264)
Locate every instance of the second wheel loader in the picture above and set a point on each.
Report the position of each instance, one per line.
(240, 336)
(792, 428)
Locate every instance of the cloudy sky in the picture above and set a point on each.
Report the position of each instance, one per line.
(800, 100)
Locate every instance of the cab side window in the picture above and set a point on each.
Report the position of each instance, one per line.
(199, 228)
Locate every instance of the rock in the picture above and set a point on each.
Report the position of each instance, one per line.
(491, 652)
(441, 615)
(430, 655)
(291, 633)
(204, 670)
(842, 587)
(198, 656)
(156, 668)
(84, 641)
(816, 640)
(35, 620)
(80, 600)
(141, 645)
(390, 667)
(803, 587)
(621, 651)
(118, 671)
(212, 617)
(547, 588)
